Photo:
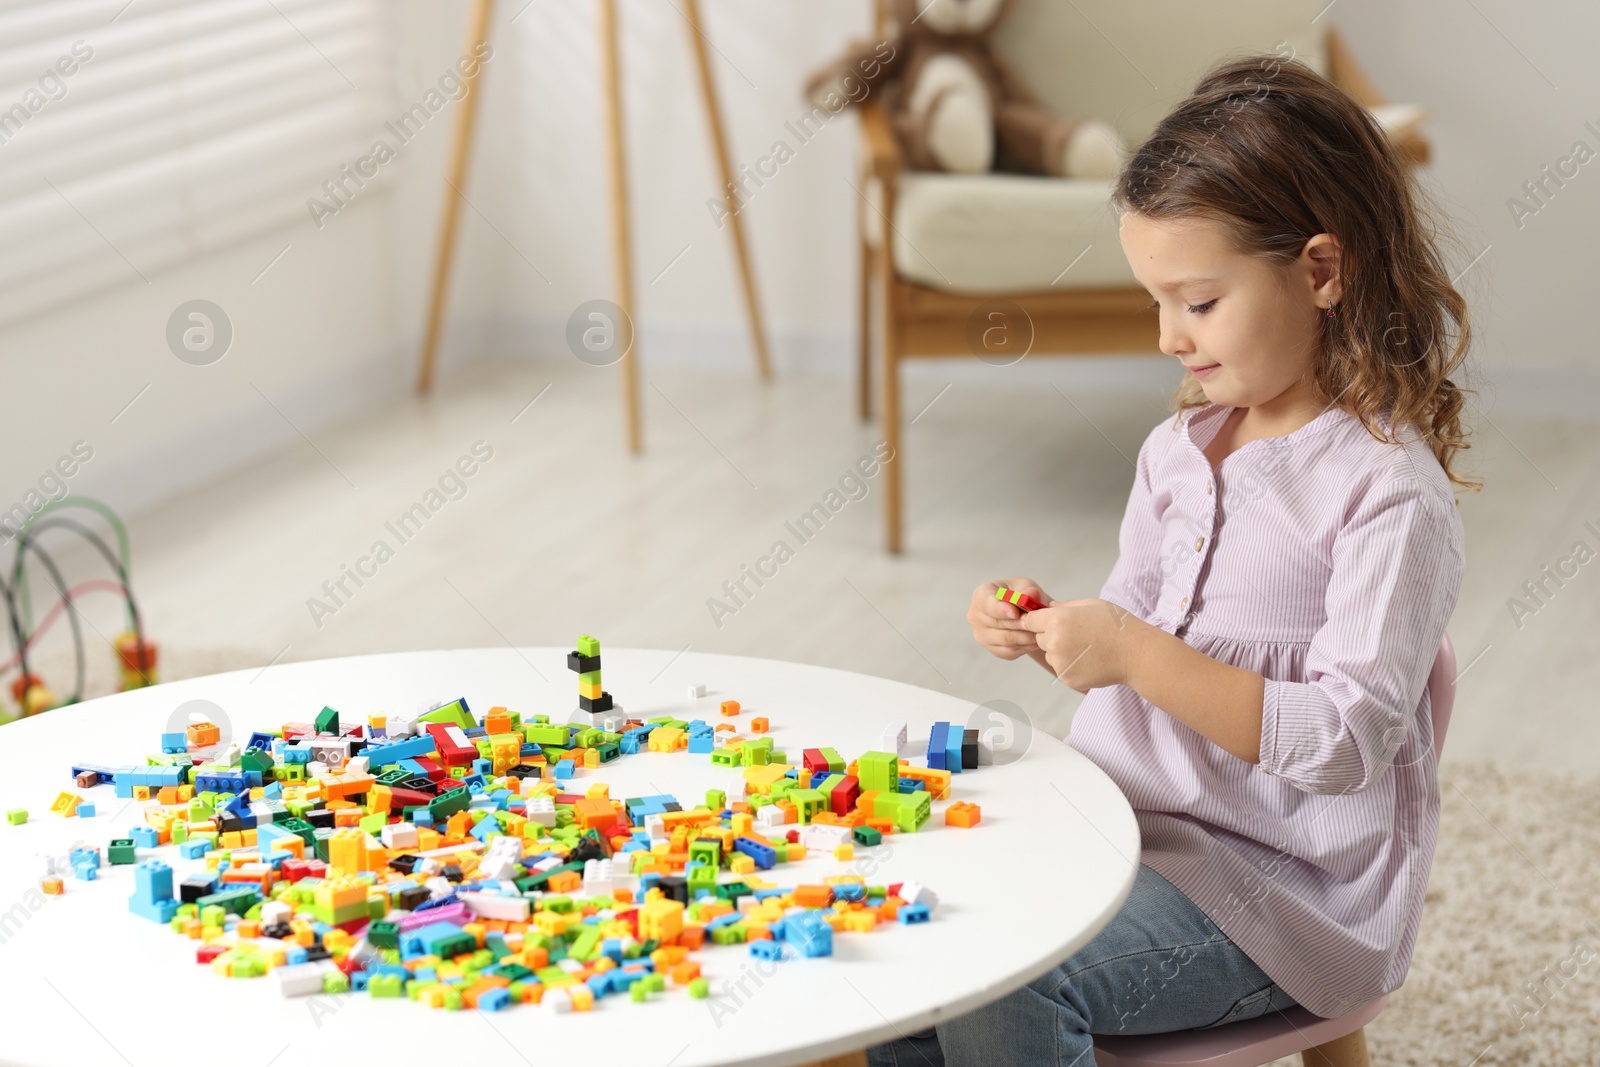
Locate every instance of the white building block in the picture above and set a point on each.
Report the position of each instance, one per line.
(274, 912)
(597, 878)
(497, 908)
(399, 835)
(541, 810)
(893, 738)
(917, 893)
(697, 691)
(613, 721)
(769, 817)
(301, 979)
(823, 837)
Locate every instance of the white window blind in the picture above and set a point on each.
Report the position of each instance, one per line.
(134, 135)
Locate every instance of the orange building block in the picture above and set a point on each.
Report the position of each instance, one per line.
(962, 813)
(730, 707)
(758, 725)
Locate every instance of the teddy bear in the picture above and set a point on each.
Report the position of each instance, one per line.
(955, 104)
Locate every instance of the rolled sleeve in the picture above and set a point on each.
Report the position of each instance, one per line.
(1134, 582)
(1396, 573)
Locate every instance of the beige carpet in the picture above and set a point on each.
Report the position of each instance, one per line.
(1506, 971)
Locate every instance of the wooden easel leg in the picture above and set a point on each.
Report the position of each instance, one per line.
(622, 256)
(895, 468)
(720, 144)
(864, 324)
(477, 31)
(1347, 1051)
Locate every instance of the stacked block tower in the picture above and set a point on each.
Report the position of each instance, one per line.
(595, 707)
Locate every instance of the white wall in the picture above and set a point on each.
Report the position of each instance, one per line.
(333, 325)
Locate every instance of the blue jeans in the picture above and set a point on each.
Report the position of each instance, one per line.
(1160, 965)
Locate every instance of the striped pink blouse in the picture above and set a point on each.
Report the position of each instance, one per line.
(1330, 562)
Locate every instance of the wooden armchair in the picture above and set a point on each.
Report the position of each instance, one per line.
(1094, 305)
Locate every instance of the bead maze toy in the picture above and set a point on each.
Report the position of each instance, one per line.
(457, 860)
(136, 653)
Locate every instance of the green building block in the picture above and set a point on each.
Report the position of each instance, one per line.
(327, 721)
(876, 771)
(237, 900)
(454, 713)
(335, 981)
(725, 757)
(716, 799)
(751, 755)
(867, 835)
(447, 804)
(588, 646)
(908, 810)
(121, 850)
(541, 733)
(699, 989)
(17, 816)
(386, 985)
(836, 763)
(808, 802)
(732, 934)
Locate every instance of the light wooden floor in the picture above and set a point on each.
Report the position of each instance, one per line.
(562, 533)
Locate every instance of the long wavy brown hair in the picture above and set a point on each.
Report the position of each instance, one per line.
(1279, 154)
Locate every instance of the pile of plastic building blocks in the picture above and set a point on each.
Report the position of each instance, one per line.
(458, 862)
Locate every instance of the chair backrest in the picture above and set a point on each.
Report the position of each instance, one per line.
(1442, 692)
(1129, 61)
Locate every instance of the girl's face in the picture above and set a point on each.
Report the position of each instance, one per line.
(1248, 332)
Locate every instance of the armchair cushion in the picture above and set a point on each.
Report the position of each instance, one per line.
(1002, 233)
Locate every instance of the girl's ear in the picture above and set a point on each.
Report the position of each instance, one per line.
(1322, 256)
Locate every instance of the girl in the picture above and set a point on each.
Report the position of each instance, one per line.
(1290, 554)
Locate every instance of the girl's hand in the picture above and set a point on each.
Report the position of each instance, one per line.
(1086, 643)
(996, 625)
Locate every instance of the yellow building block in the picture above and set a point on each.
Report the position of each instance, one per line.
(661, 919)
(667, 739)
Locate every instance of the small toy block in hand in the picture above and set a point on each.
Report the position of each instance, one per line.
(1021, 600)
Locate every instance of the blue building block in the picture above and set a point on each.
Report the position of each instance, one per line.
(702, 743)
(194, 848)
(912, 913)
(808, 933)
(938, 745)
(563, 770)
(764, 856)
(766, 950)
(85, 811)
(399, 749)
(174, 744)
(493, 1000)
(152, 892)
(104, 773)
(952, 749)
(259, 740)
(144, 837)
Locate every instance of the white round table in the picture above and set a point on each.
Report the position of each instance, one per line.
(83, 979)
